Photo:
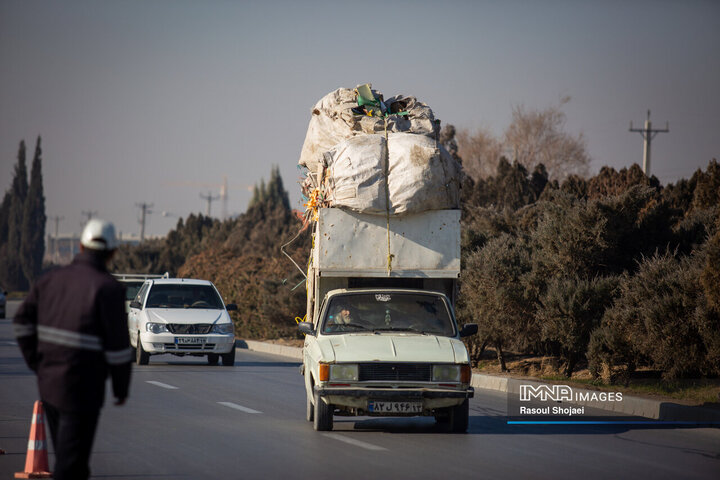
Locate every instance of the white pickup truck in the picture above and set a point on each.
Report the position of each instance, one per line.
(384, 341)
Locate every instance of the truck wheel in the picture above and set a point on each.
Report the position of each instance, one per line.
(323, 415)
(228, 359)
(141, 356)
(213, 358)
(309, 408)
(459, 417)
(442, 416)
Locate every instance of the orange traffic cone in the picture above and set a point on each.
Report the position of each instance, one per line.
(36, 462)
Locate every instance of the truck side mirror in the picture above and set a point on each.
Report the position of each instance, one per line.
(307, 328)
(135, 304)
(469, 329)
(231, 307)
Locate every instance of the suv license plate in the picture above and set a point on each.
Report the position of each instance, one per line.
(395, 407)
(189, 340)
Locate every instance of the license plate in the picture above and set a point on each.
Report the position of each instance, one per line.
(395, 407)
(189, 340)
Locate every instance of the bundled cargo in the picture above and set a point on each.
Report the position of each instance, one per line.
(377, 156)
(339, 116)
(409, 171)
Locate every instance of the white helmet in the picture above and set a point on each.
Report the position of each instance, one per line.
(99, 235)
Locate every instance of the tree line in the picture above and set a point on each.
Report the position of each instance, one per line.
(22, 223)
(614, 272)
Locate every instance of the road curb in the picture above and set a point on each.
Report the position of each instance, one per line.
(273, 348)
(633, 406)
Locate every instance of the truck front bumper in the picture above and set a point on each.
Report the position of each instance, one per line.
(358, 398)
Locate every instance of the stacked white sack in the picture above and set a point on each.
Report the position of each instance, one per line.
(422, 176)
(333, 121)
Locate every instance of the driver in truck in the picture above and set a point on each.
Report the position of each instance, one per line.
(339, 319)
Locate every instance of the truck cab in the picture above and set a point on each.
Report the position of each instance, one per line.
(384, 341)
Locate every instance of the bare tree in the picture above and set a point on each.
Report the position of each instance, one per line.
(538, 136)
(480, 152)
(533, 137)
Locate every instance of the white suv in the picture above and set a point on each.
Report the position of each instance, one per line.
(181, 317)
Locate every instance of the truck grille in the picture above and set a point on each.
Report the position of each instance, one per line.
(190, 329)
(394, 372)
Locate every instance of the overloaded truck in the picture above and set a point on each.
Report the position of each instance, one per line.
(381, 338)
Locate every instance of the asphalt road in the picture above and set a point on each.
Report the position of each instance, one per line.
(187, 420)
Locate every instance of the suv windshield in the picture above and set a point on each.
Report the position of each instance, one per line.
(388, 312)
(183, 296)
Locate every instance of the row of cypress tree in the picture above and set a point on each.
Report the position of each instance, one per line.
(22, 223)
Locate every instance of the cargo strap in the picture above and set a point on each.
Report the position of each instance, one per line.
(387, 198)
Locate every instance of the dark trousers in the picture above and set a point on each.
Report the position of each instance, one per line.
(72, 435)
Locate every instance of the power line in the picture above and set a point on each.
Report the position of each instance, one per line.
(648, 134)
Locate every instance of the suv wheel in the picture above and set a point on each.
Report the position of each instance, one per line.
(213, 358)
(141, 356)
(228, 359)
(323, 415)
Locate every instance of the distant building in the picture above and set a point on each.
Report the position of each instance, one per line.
(60, 250)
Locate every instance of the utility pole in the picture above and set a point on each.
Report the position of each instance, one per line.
(89, 214)
(209, 198)
(145, 210)
(56, 251)
(648, 134)
(224, 198)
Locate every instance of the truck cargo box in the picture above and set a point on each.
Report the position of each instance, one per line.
(424, 245)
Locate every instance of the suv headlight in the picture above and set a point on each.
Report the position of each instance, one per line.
(156, 327)
(343, 372)
(446, 373)
(223, 328)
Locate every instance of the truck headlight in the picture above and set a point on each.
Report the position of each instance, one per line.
(446, 373)
(343, 372)
(223, 328)
(156, 327)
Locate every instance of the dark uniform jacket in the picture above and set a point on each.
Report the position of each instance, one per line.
(72, 330)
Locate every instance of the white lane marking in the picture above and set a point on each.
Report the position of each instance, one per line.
(160, 384)
(238, 407)
(352, 441)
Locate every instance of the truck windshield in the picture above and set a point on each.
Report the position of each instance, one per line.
(183, 296)
(388, 312)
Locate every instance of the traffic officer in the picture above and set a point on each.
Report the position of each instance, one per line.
(72, 330)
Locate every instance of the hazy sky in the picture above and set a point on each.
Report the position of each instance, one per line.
(156, 100)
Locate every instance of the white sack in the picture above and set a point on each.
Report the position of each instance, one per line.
(333, 121)
(355, 176)
(421, 176)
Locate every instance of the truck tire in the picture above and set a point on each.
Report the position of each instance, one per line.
(323, 415)
(213, 358)
(309, 408)
(228, 359)
(459, 417)
(141, 356)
